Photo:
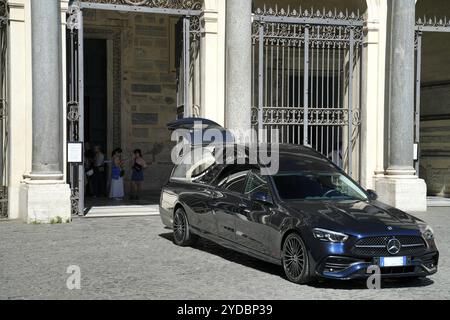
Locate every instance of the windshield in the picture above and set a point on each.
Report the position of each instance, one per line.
(293, 186)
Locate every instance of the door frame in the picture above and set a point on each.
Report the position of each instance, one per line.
(109, 38)
(190, 11)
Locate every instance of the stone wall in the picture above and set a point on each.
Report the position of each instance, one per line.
(145, 86)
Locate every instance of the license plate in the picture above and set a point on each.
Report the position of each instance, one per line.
(393, 261)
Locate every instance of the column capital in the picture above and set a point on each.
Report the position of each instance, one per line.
(209, 22)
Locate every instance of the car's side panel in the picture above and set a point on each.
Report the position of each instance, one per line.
(196, 200)
(254, 227)
(226, 206)
(168, 201)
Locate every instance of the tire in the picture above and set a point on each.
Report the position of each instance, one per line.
(295, 259)
(182, 235)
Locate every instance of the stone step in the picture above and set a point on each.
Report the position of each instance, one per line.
(438, 202)
(122, 211)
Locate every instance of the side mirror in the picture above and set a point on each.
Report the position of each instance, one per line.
(261, 197)
(372, 195)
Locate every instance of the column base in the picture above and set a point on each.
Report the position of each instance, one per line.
(407, 193)
(45, 202)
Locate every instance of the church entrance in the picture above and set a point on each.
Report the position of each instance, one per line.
(131, 70)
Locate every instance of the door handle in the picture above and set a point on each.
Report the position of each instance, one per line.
(212, 194)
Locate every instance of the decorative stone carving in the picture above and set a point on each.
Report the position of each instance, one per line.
(168, 4)
(3, 12)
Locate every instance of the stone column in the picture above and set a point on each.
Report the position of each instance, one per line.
(238, 64)
(47, 89)
(45, 197)
(401, 102)
(401, 187)
(212, 57)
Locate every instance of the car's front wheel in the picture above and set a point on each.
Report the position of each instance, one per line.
(295, 259)
(182, 235)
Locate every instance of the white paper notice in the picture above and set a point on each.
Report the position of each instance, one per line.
(75, 152)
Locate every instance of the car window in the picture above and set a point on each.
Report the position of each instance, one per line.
(194, 165)
(317, 186)
(209, 175)
(256, 183)
(234, 182)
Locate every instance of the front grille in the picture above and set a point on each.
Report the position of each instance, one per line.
(376, 246)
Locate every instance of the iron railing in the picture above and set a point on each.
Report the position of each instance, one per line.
(3, 109)
(424, 25)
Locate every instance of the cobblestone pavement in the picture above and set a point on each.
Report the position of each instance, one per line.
(134, 258)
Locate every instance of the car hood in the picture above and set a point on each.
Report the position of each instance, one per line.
(358, 218)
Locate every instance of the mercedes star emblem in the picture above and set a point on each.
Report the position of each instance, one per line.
(393, 246)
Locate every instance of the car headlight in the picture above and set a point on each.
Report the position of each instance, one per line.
(329, 236)
(427, 232)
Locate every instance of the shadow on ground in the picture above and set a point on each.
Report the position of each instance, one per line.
(247, 261)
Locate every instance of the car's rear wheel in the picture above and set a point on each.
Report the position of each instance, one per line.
(182, 235)
(295, 259)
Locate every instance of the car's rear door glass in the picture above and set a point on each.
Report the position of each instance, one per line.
(234, 182)
(256, 183)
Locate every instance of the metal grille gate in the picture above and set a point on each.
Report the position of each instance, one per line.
(423, 25)
(3, 109)
(189, 11)
(306, 80)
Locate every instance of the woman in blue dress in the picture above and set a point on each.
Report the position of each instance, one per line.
(117, 173)
(137, 176)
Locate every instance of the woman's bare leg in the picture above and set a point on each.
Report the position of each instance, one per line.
(138, 189)
(134, 189)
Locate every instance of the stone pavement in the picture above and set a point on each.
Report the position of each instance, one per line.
(134, 258)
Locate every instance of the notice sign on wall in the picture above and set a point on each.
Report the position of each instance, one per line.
(75, 152)
(416, 152)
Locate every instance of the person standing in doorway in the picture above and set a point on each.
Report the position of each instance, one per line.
(137, 176)
(117, 173)
(89, 162)
(99, 172)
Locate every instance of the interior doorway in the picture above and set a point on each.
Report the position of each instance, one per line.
(95, 94)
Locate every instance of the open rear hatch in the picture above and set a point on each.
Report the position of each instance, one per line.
(194, 125)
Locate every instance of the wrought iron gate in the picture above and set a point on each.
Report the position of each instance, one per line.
(306, 80)
(75, 102)
(188, 88)
(3, 109)
(423, 25)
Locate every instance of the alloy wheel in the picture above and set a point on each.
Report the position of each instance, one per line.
(295, 259)
(179, 226)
